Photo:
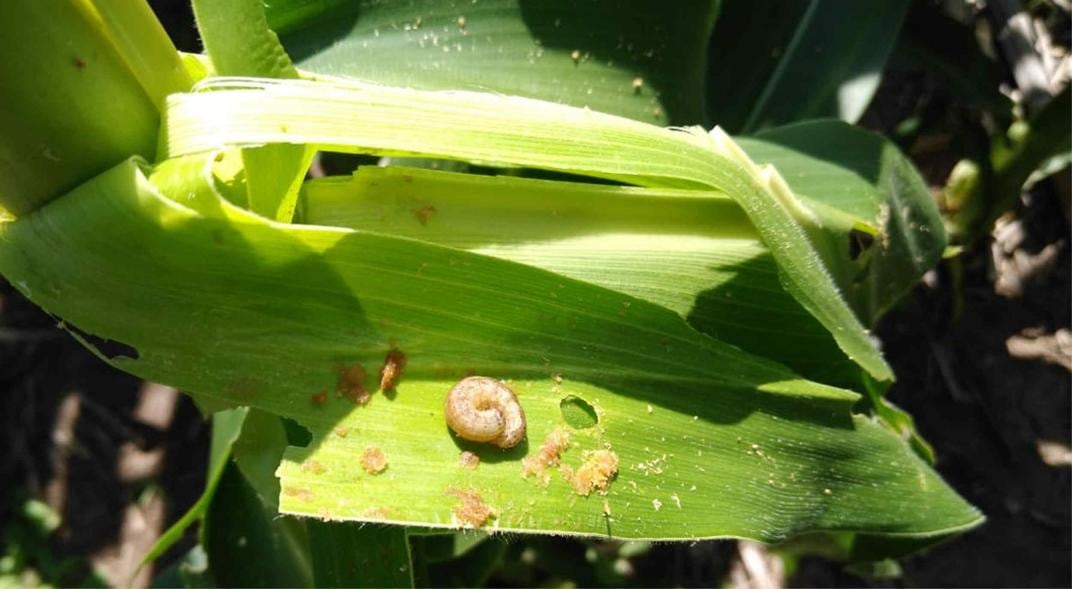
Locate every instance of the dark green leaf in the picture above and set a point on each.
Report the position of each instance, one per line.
(347, 554)
(635, 58)
(226, 427)
(249, 545)
(775, 62)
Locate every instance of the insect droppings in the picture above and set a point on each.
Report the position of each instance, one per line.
(312, 466)
(471, 509)
(482, 409)
(373, 460)
(299, 492)
(549, 454)
(423, 214)
(393, 365)
(468, 460)
(595, 473)
(351, 384)
(373, 512)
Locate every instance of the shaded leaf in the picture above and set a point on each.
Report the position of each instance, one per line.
(634, 58)
(226, 427)
(346, 554)
(249, 545)
(775, 62)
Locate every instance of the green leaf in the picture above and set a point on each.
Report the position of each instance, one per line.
(249, 545)
(692, 252)
(775, 62)
(357, 117)
(347, 554)
(145, 47)
(711, 441)
(894, 232)
(226, 427)
(470, 568)
(239, 43)
(634, 58)
(70, 106)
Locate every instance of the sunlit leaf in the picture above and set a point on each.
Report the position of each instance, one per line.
(515, 131)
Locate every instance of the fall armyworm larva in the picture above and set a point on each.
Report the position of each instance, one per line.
(482, 409)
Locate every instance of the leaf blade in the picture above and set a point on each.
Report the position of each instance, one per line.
(282, 345)
(514, 131)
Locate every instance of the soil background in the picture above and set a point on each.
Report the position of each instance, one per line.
(973, 347)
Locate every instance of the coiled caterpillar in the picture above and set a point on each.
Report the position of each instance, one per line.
(482, 409)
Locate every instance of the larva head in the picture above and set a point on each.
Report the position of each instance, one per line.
(482, 409)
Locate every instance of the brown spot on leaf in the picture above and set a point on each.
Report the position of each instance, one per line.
(468, 460)
(319, 398)
(471, 509)
(423, 214)
(373, 512)
(373, 460)
(299, 492)
(312, 466)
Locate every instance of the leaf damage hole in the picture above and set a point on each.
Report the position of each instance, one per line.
(297, 434)
(578, 413)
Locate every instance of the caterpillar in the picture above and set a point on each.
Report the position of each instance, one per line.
(482, 409)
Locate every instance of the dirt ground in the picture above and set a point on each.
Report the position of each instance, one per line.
(982, 351)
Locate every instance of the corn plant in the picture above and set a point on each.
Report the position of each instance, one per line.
(680, 316)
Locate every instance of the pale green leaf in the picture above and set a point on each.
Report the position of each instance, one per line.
(516, 131)
(239, 43)
(70, 107)
(693, 252)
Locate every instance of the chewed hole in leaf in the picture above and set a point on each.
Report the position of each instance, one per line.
(297, 434)
(578, 413)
